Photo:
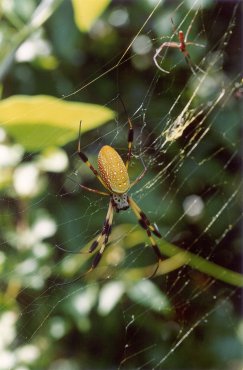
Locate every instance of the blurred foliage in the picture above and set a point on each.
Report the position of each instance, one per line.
(114, 315)
(85, 13)
(35, 129)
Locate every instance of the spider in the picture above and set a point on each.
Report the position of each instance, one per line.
(181, 45)
(113, 175)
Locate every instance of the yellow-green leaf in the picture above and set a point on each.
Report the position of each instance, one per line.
(87, 11)
(41, 121)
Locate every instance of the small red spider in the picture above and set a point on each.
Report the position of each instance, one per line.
(181, 45)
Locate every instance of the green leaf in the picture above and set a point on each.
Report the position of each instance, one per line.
(110, 295)
(42, 121)
(87, 11)
(146, 293)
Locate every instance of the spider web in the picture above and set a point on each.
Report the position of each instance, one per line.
(187, 133)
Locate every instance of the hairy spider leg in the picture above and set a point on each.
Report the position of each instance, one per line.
(142, 215)
(105, 234)
(103, 237)
(84, 158)
(145, 224)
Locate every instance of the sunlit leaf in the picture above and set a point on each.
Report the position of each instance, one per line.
(87, 11)
(109, 296)
(42, 121)
(147, 294)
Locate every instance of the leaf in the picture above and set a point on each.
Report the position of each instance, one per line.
(147, 294)
(110, 295)
(42, 121)
(87, 11)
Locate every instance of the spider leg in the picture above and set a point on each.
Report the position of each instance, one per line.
(87, 188)
(158, 51)
(103, 237)
(190, 64)
(93, 190)
(140, 176)
(145, 224)
(84, 158)
(189, 61)
(143, 219)
(130, 135)
(105, 234)
(195, 44)
(185, 53)
(130, 142)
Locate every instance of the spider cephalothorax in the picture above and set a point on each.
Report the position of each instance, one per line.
(114, 177)
(120, 202)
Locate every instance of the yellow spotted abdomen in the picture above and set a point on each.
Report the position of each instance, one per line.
(113, 170)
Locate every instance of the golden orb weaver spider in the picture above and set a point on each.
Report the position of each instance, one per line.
(113, 175)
